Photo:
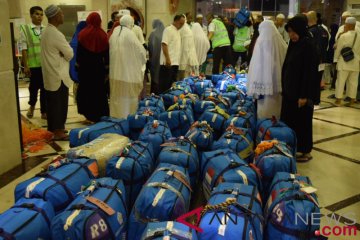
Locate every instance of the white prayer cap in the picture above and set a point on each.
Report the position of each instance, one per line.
(199, 15)
(123, 12)
(346, 13)
(280, 16)
(290, 16)
(51, 11)
(350, 20)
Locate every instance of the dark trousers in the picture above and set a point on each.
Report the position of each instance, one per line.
(57, 107)
(167, 76)
(236, 56)
(317, 88)
(36, 84)
(221, 53)
(300, 120)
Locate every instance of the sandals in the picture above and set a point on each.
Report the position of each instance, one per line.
(305, 157)
(30, 112)
(61, 138)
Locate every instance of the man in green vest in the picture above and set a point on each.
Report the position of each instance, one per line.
(242, 37)
(220, 42)
(30, 35)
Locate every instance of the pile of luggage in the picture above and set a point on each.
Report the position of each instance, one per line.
(133, 178)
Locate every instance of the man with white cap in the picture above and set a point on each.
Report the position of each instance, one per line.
(348, 70)
(199, 19)
(279, 23)
(56, 54)
(345, 15)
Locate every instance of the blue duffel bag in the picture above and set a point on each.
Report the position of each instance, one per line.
(289, 212)
(217, 77)
(81, 136)
(224, 84)
(156, 132)
(272, 157)
(183, 85)
(210, 92)
(243, 120)
(134, 166)
(189, 99)
(60, 184)
(220, 101)
(168, 230)
(216, 118)
(152, 101)
(201, 106)
(179, 119)
(269, 129)
(234, 211)
(242, 17)
(201, 85)
(239, 140)
(28, 219)
(164, 197)
(201, 134)
(233, 96)
(172, 95)
(281, 177)
(137, 123)
(225, 166)
(243, 105)
(98, 212)
(230, 70)
(151, 111)
(183, 153)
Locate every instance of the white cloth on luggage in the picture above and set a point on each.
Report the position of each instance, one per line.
(127, 67)
(202, 44)
(264, 77)
(101, 149)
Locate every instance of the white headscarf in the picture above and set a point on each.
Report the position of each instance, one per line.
(202, 44)
(264, 77)
(127, 21)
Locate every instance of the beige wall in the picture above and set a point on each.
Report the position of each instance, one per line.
(159, 9)
(10, 152)
(102, 5)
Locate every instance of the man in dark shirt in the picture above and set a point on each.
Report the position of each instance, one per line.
(321, 41)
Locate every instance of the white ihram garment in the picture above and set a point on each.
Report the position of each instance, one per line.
(188, 59)
(202, 44)
(127, 67)
(264, 77)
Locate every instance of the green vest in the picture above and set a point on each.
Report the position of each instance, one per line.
(220, 37)
(33, 46)
(241, 36)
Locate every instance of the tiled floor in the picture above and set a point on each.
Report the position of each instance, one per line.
(334, 170)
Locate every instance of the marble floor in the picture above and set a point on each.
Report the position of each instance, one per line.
(334, 170)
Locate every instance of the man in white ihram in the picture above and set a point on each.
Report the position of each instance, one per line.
(348, 72)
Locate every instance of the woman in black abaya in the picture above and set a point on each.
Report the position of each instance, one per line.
(299, 85)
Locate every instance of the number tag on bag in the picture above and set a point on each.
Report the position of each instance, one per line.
(96, 228)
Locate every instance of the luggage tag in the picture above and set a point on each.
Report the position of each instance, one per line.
(181, 178)
(102, 205)
(283, 151)
(306, 188)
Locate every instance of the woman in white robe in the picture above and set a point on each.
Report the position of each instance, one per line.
(202, 44)
(127, 67)
(188, 59)
(264, 77)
